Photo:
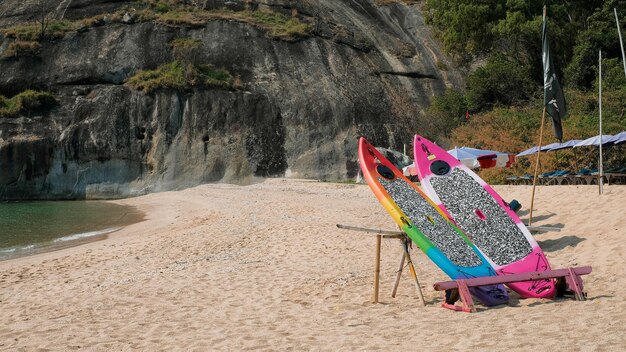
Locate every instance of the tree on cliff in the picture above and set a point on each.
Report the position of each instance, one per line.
(44, 16)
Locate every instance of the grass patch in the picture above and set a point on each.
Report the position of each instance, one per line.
(32, 32)
(22, 48)
(26, 103)
(280, 26)
(27, 32)
(184, 45)
(180, 76)
(170, 13)
(276, 24)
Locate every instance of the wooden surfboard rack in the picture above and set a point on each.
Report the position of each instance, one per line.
(406, 257)
(571, 277)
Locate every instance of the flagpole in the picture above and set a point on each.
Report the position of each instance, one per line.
(621, 43)
(532, 197)
(543, 119)
(600, 169)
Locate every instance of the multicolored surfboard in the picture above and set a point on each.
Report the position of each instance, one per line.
(482, 215)
(426, 224)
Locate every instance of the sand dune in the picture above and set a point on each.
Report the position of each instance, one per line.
(263, 267)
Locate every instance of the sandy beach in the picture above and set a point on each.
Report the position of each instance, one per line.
(264, 267)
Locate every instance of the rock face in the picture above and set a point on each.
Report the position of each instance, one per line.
(301, 106)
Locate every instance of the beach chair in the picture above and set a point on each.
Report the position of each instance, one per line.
(616, 175)
(512, 180)
(584, 176)
(563, 177)
(546, 178)
(525, 179)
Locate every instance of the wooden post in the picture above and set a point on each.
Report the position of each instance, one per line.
(600, 163)
(532, 198)
(377, 268)
(395, 285)
(380, 234)
(405, 247)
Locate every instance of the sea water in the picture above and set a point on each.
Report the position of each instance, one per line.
(32, 227)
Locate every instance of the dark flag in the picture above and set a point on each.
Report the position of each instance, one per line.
(553, 98)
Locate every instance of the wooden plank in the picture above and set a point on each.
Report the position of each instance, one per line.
(575, 284)
(503, 279)
(466, 297)
(395, 285)
(405, 247)
(543, 228)
(397, 234)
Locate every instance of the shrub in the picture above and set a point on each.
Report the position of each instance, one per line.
(180, 76)
(32, 32)
(58, 29)
(98, 20)
(177, 12)
(29, 32)
(22, 48)
(167, 76)
(26, 103)
(162, 7)
(278, 24)
(34, 101)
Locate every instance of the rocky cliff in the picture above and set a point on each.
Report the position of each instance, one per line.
(297, 109)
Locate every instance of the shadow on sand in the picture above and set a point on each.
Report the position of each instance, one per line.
(535, 218)
(560, 243)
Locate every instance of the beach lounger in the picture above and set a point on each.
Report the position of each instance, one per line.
(616, 175)
(525, 179)
(563, 177)
(585, 177)
(512, 180)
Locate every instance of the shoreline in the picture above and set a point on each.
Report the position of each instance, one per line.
(92, 230)
(263, 267)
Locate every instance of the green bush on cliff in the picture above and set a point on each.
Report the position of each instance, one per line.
(277, 24)
(180, 76)
(22, 48)
(26, 103)
(32, 32)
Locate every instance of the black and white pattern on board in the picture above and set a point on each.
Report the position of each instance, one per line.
(496, 235)
(438, 231)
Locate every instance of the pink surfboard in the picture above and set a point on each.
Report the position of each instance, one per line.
(483, 215)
